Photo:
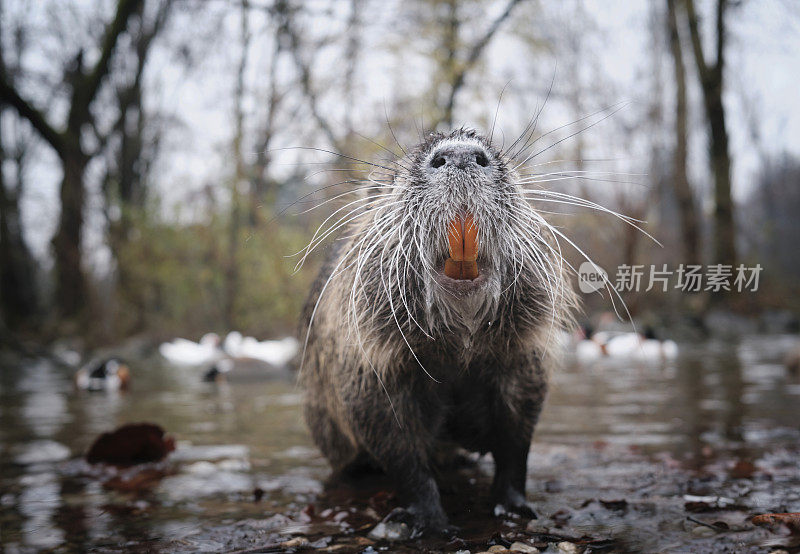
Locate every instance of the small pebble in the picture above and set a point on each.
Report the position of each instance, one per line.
(391, 531)
(321, 543)
(497, 548)
(568, 547)
(537, 526)
(462, 552)
(522, 547)
(702, 532)
(553, 486)
(295, 542)
(340, 516)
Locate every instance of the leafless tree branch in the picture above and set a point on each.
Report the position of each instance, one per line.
(472, 58)
(27, 111)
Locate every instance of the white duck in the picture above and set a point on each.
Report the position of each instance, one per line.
(232, 346)
(587, 351)
(274, 352)
(185, 352)
(641, 347)
(590, 345)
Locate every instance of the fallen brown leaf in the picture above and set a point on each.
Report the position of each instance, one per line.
(131, 444)
(742, 470)
(791, 520)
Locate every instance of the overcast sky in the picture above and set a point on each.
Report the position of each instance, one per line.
(763, 60)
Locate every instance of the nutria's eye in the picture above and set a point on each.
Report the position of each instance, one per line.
(437, 161)
(482, 160)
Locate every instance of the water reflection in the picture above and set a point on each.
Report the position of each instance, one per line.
(236, 440)
(45, 412)
(710, 396)
(44, 406)
(38, 502)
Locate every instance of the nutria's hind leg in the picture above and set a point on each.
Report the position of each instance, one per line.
(403, 452)
(423, 512)
(335, 446)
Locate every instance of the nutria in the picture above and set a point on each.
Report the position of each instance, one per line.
(432, 322)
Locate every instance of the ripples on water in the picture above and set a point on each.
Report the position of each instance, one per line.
(236, 439)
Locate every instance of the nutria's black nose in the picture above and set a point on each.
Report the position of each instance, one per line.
(460, 156)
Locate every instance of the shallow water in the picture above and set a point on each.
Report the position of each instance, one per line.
(619, 452)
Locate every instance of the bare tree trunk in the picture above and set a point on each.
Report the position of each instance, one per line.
(690, 228)
(71, 291)
(456, 71)
(287, 15)
(232, 270)
(711, 81)
(451, 29)
(631, 239)
(351, 56)
(574, 58)
(261, 186)
(130, 164)
(18, 296)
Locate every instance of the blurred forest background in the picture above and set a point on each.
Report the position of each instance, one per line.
(153, 150)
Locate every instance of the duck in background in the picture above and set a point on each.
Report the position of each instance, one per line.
(219, 359)
(106, 375)
(792, 360)
(642, 347)
(590, 346)
(218, 372)
(185, 352)
(243, 371)
(277, 353)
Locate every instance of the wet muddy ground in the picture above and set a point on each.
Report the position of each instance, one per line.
(674, 458)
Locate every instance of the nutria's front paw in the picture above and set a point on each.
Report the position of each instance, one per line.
(513, 502)
(407, 523)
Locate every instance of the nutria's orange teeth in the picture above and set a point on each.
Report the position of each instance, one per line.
(460, 270)
(452, 268)
(456, 240)
(462, 238)
(469, 270)
(470, 240)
